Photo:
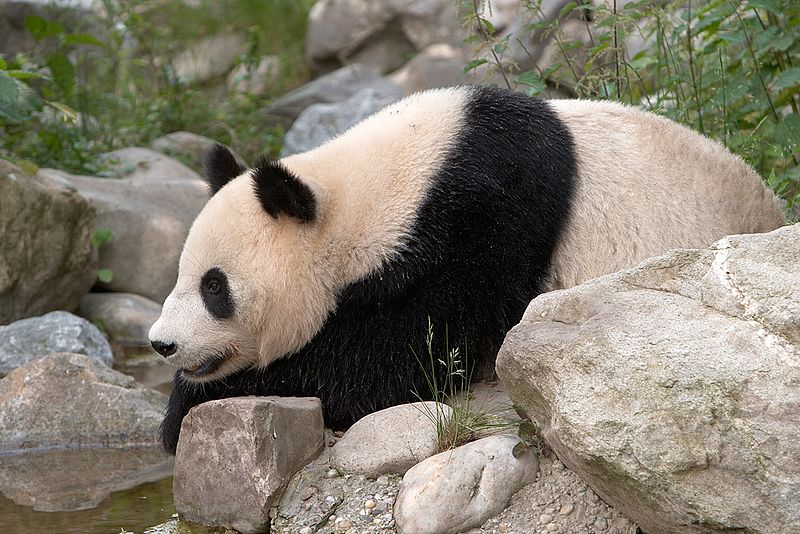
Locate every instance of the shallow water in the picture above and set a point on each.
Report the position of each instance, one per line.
(85, 491)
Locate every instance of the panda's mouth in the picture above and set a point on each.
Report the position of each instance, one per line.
(206, 368)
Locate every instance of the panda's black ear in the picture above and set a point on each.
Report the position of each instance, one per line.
(280, 191)
(220, 166)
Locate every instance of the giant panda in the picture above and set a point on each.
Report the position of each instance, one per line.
(318, 274)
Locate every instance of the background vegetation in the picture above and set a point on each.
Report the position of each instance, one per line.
(727, 68)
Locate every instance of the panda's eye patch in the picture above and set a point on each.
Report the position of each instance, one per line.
(216, 294)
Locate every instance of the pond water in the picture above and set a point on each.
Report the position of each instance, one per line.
(86, 491)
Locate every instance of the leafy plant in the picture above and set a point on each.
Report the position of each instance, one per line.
(100, 237)
(730, 69)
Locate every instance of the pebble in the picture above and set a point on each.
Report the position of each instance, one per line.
(306, 530)
(566, 509)
(369, 504)
(601, 523)
(545, 518)
(330, 499)
(383, 480)
(552, 527)
(344, 525)
(332, 473)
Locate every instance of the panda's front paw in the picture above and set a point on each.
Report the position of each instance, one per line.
(180, 402)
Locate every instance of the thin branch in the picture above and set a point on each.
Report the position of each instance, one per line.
(489, 42)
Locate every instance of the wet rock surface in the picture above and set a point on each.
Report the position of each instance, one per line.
(149, 219)
(67, 480)
(29, 339)
(249, 448)
(71, 400)
(671, 388)
(126, 318)
(390, 441)
(321, 122)
(461, 488)
(45, 253)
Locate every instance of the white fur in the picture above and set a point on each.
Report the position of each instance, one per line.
(285, 275)
(647, 185)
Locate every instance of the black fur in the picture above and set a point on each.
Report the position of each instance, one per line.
(478, 253)
(216, 294)
(220, 166)
(280, 191)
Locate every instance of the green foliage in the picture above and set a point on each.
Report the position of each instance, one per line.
(85, 93)
(100, 237)
(727, 68)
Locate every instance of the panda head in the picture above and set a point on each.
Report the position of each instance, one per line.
(251, 287)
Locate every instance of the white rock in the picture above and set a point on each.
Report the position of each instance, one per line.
(460, 489)
(390, 441)
(671, 387)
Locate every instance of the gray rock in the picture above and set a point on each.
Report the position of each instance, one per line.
(45, 252)
(208, 58)
(74, 15)
(671, 388)
(47, 481)
(379, 33)
(391, 440)
(322, 122)
(334, 87)
(72, 400)
(146, 165)
(256, 81)
(187, 146)
(460, 489)
(149, 221)
(126, 318)
(249, 448)
(438, 65)
(27, 340)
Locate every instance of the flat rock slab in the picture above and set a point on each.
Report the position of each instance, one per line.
(72, 400)
(460, 489)
(672, 387)
(235, 457)
(26, 340)
(390, 440)
(78, 479)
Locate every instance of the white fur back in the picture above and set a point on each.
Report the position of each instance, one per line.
(647, 185)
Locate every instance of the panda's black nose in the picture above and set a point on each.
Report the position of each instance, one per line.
(164, 349)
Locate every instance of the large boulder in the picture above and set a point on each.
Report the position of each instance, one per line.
(379, 33)
(322, 122)
(29, 339)
(671, 387)
(73, 401)
(331, 88)
(391, 440)
(45, 251)
(149, 217)
(147, 165)
(248, 449)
